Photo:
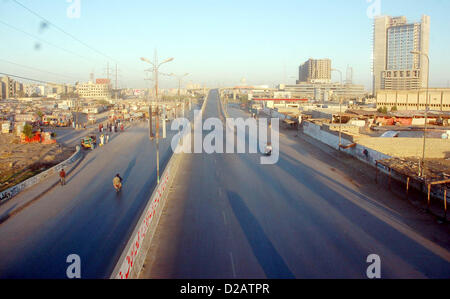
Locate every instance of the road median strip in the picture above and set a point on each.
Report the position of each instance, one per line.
(135, 252)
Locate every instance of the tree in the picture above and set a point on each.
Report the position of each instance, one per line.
(28, 131)
(383, 110)
(393, 109)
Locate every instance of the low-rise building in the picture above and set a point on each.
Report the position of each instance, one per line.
(26, 117)
(94, 91)
(438, 99)
(326, 91)
(94, 110)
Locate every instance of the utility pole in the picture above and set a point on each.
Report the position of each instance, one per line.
(116, 84)
(422, 167)
(180, 78)
(155, 69)
(107, 70)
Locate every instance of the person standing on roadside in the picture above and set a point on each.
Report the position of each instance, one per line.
(62, 177)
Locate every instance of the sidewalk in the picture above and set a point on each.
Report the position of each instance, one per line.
(30, 195)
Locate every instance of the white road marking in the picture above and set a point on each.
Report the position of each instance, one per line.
(224, 218)
(232, 265)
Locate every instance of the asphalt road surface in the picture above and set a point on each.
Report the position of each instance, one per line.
(315, 214)
(86, 217)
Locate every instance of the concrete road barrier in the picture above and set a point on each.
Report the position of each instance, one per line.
(132, 259)
(133, 256)
(13, 191)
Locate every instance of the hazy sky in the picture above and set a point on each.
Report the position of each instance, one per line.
(218, 42)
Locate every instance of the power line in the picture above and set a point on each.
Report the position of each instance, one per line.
(63, 31)
(29, 79)
(44, 41)
(67, 33)
(36, 69)
(48, 22)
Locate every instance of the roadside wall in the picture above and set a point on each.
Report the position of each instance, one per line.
(408, 147)
(132, 259)
(13, 191)
(316, 132)
(331, 139)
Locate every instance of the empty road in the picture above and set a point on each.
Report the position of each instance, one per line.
(315, 214)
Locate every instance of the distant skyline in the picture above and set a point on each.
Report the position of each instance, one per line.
(217, 42)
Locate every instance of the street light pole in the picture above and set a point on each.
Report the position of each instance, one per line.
(156, 67)
(180, 78)
(422, 168)
(340, 123)
(340, 111)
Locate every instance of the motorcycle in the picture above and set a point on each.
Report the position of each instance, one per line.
(268, 150)
(117, 183)
(118, 188)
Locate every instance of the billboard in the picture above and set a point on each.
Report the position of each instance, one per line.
(102, 81)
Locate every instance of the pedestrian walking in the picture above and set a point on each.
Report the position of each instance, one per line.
(107, 138)
(62, 177)
(102, 140)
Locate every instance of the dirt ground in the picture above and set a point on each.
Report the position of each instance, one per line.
(19, 162)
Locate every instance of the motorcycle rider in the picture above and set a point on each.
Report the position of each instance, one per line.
(268, 151)
(117, 182)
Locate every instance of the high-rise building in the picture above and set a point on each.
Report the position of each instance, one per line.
(315, 71)
(2, 90)
(394, 66)
(349, 75)
(9, 87)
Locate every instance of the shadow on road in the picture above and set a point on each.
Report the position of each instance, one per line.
(128, 170)
(272, 263)
(71, 177)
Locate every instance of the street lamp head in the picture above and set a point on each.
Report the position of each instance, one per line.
(168, 60)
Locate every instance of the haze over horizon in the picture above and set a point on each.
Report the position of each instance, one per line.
(218, 44)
